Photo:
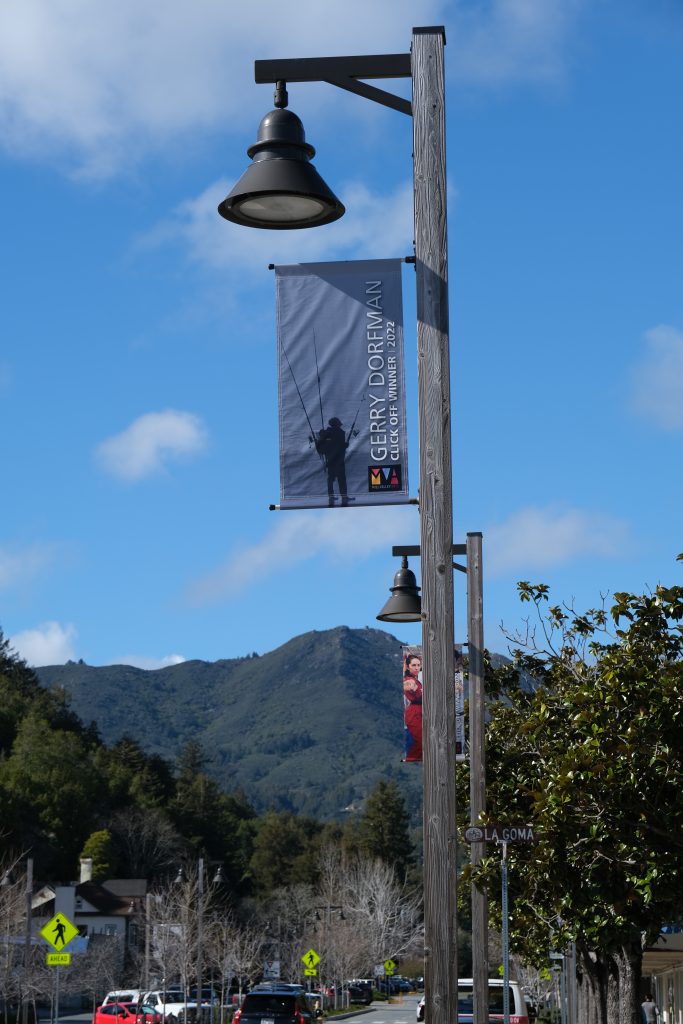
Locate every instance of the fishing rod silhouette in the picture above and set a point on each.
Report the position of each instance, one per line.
(330, 442)
(313, 435)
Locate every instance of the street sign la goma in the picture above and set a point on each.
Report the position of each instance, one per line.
(499, 834)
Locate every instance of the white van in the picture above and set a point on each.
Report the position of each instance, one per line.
(123, 995)
(518, 1008)
(171, 1002)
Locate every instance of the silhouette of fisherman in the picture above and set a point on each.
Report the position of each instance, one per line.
(331, 443)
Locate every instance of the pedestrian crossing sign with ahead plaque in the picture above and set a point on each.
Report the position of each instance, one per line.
(59, 932)
(310, 962)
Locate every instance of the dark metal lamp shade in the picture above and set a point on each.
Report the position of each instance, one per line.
(404, 605)
(281, 188)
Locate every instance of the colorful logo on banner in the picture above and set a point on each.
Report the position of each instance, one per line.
(341, 384)
(413, 685)
(384, 478)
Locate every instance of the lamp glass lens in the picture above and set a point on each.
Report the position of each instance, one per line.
(281, 208)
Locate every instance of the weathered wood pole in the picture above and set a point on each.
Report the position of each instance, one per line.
(436, 524)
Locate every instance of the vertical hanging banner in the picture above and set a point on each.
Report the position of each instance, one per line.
(341, 384)
(412, 703)
(459, 706)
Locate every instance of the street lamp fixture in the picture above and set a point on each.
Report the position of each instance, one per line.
(281, 188)
(274, 193)
(405, 604)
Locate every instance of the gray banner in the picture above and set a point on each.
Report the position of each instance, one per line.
(341, 384)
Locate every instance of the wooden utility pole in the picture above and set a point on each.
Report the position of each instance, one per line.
(436, 519)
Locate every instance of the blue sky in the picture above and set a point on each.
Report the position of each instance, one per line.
(137, 364)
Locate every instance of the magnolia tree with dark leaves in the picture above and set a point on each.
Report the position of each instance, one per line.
(593, 759)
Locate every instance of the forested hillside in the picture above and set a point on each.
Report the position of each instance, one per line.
(310, 727)
(64, 793)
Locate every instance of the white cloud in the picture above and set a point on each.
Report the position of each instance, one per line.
(47, 644)
(299, 536)
(101, 85)
(657, 382)
(539, 538)
(141, 661)
(376, 223)
(19, 565)
(150, 441)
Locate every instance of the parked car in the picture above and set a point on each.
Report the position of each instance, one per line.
(389, 985)
(360, 991)
(171, 1003)
(126, 1013)
(517, 1003)
(146, 1013)
(279, 986)
(273, 1006)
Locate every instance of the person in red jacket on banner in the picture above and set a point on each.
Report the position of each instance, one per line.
(412, 699)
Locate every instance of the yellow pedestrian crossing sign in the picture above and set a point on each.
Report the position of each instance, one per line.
(389, 967)
(59, 932)
(311, 959)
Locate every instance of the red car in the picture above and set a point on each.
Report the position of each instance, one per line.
(126, 1013)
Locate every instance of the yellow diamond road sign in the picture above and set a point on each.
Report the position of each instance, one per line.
(389, 966)
(59, 932)
(311, 959)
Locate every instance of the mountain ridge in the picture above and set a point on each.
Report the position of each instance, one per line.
(309, 727)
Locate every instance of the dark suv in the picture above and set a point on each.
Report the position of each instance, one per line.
(360, 991)
(273, 1006)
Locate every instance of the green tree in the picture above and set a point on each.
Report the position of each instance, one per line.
(99, 846)
(384, 829)
(53, 791)
(593, 759)
(285, 851)
(217, 825)
(133, 776)
(21, 692)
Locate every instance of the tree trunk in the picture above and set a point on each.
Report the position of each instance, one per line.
(627, 968)
(592, 988)
(609, 988)
(613, 1001)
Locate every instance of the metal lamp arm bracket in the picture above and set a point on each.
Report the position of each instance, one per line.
(344, 72)
(371, 92)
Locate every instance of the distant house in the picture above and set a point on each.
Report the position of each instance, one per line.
(114, 908)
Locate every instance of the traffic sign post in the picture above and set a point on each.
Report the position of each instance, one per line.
(310, 960)
(271, 970)
(499, 834)
(502, 834)
(58, 933)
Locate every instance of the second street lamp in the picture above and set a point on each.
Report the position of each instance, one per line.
(268, 200)
(404, 605)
